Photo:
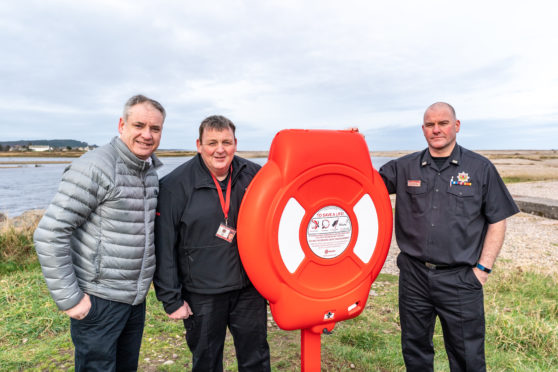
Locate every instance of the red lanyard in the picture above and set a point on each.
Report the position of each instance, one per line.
(224, 204)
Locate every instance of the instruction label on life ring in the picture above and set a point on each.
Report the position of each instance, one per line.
(329, 232)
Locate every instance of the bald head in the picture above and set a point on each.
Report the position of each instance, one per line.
(441, 105)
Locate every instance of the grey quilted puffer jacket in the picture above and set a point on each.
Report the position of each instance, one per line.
(97, 234)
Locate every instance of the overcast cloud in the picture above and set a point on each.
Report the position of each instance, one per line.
(67, 67)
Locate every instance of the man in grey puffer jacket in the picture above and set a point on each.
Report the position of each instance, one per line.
(95, 242)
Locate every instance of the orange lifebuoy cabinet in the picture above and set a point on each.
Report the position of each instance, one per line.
(314, 231)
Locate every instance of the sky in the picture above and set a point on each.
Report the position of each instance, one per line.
(67, 68)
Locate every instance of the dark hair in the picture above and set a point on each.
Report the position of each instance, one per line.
(137, 99)
(216, 122)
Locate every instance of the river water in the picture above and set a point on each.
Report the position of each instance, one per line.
(33, 185)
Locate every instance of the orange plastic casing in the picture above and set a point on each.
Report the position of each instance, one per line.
(315, 227)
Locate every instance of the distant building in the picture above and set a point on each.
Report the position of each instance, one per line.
(40, 148)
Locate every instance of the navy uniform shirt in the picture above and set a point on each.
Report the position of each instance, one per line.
(442, 214)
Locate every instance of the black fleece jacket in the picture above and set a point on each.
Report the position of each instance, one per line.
(190, 258)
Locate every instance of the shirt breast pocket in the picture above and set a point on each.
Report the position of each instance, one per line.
(462, 200)
(418, 197)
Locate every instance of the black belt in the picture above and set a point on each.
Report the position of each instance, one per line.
(433, 266)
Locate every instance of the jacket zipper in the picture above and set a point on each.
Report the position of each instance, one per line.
(146, 231)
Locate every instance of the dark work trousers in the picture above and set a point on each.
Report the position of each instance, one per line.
(109, 337)
(453, 294)
(244, 311)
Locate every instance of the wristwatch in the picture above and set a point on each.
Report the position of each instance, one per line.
(485, 269)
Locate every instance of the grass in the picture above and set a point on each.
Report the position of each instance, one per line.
(522, 330)
(41, 154)
(525, 320)
(527, 173)
(521, 313)
(516, 178)
(16, 249)
(76, 154)
(525, 155)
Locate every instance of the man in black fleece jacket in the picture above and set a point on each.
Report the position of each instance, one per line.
(199, 275)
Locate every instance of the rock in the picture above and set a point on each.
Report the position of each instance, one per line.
(538, 206)
(168, 362)
(28, 220)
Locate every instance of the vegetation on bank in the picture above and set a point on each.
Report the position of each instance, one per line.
(523, 178)
(16, 249)
(521, 312)
(42, 154)
(159, 153)
(534, 155)
(517, 176)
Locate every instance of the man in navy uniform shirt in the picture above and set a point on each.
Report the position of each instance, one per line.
(450, 221)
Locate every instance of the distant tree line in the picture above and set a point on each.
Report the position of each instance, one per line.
(54, 145)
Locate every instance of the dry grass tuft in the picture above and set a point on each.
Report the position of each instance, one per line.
(16, 243)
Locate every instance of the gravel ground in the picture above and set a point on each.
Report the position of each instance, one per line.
(540, 189)
(531, 241)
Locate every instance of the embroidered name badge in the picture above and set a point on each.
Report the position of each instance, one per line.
(413, 183)
(462, 179)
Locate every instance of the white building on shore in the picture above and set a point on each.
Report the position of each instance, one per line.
(40, 148)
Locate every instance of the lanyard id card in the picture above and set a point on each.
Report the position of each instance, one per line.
(224, 231)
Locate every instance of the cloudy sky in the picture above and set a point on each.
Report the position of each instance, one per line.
(67, 67)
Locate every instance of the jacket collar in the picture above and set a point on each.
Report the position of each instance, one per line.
(131, 160)
(453, 159)
(203, 176)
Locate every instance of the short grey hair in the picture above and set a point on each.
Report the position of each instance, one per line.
(136, 100)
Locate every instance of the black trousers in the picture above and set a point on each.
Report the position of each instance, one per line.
(109, 337)
(244, 312)
(454, 295)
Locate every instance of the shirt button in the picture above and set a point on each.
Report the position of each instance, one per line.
(432, 225)
(436, 190)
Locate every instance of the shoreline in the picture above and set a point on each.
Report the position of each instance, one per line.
(491, 154)
(531, 241)
(513, 165)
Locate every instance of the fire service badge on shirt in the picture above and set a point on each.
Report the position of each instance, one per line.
(462, 179)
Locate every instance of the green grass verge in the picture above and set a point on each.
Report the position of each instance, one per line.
(521, 311)
(517, 179)
(16, 250)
